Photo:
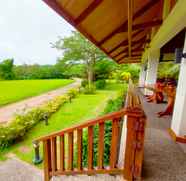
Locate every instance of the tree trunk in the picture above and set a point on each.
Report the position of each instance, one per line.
(90, 75)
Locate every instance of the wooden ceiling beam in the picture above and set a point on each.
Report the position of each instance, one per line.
(137, 49)
(124, 42)
(142, 26)
(139, 13)
(143, 39)
(62, 12)
(87, 11)
(149, 24)
(125, 51)
(127, 61)
(132, 60)
(130, 14)
(133, 53)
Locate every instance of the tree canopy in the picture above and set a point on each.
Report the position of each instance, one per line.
(77, 49)
(6, 69)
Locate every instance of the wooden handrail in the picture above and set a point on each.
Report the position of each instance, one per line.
(132, 99)
(92, 122)
(58, 162)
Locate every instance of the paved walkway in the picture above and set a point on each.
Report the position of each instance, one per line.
(164, 160)
(17, 170)
(7, 112)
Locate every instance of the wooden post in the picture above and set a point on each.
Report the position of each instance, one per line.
(134, 144)
(139, 153)
(129, 151)
(47, 159)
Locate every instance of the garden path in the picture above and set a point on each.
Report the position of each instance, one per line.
(16, 170)
(7, 112)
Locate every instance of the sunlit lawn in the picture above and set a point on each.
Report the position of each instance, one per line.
(82, 108)
(15, 90)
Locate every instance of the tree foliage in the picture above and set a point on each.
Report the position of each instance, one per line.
(6, 69)
(168, 70)
(76, 49)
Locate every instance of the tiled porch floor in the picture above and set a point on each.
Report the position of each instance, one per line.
(164, 160)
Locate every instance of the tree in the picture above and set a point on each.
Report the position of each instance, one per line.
(76, 49)
(126, 76)
(104, 67)
(6, 69)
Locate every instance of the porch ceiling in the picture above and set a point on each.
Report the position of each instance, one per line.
(105, 23)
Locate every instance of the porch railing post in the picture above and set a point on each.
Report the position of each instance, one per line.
(134, 144)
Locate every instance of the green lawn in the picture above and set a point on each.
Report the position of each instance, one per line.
(82, 108)
(15, 90)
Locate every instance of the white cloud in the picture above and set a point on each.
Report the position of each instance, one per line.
(26, 29)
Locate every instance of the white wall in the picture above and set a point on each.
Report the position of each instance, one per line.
(179, 115)
(142, 75)
(152, 68)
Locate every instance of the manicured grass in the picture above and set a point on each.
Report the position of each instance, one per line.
(82, 108)
(15, 90)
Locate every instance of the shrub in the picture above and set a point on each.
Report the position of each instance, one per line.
(18, 127)
(100, 84)
(90, 89)
(84, 83)
(112, 105)
(72, 93)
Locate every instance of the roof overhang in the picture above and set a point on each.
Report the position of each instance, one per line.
(120, 28)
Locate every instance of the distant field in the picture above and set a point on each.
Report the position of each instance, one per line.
(15, 90)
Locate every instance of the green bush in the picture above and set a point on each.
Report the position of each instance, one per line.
(90, 89)
(84, 83)
(112, 105)
(100, 84)
(17, 128)
(72, 93)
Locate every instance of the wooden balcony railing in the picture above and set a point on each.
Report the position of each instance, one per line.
(59, 150)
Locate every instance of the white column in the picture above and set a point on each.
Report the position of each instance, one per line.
(152, 68)
(178, 124)
(142, 75)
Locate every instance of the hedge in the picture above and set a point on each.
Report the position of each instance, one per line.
(21, 123)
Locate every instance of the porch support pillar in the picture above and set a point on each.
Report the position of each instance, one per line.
(152, 68)
(142, 75)
(178, 124)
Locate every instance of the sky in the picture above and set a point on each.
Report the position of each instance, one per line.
(27, 27)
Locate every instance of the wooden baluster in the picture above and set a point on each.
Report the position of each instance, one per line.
(114, 143)
(79, 148)
(101, 146)
(53, 154)
(47, 159)
(62, 153)
(90, 147)
(70, 150)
